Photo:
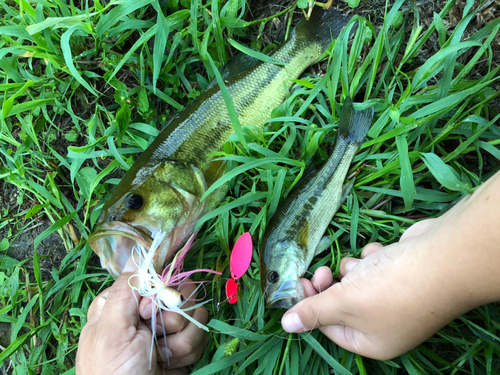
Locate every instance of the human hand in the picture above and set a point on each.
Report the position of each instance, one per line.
(116, 341)
(392, 299)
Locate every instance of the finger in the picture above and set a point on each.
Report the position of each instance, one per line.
(417, 229)
(120, 310)
(322, 279)
(187, 291)
(95, 308)
(187, 341)
(370, 249)
(347, 264)
(344, 336)
(168, 322)
(195, 355)
(309, 289)
(323, 309)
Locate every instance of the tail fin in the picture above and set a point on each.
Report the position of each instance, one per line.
(354, 125)
(323, 26)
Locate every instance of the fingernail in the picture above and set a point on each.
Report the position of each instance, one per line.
(350, 265)
(168, 353)
(292, 323)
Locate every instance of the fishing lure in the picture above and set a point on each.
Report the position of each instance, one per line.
(160, 288)
(241, 256)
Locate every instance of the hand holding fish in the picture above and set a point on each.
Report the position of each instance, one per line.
(399, 295)
(117, 337)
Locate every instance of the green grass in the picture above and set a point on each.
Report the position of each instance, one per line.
(85, 88)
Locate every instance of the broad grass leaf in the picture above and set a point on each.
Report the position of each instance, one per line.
(270, 361)
(463, 145)
(444, 174)
(143, 101)
(229, 103)
(447, 102)
(53, 228)
(490, 148)
(233, 331)
(434, 65)
(29, 106)
(167, 99)
(318, 348)
(354, 223)
(302, 4)
(9, 103)
(360, 365)
(141, 41)
(226, 362)
(277, 190)
(404, 129)
(17, 343)
(105, 172)
(81, 272)
(56, 22)
(21, 319)
(163, 29)
(480, 52)
(410, 369)
(406, 180)
(45, 194)
(84, 178)
(116, 14)
(247, 166)
(18, 31)
(255, 54)
(7, 263)
(353, 3)
(246, 199)
(123, 118)
(68, 57)
(422, 194)
(440, 28)
(266, 351)
(145, 128)
(217, 32)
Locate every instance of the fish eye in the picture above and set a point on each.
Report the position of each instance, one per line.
(273, 277)
(135, 202)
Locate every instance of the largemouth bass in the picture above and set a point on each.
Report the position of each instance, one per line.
(162, 190)
(295, 233)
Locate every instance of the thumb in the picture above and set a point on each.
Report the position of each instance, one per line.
(122, 303)
(324, 309)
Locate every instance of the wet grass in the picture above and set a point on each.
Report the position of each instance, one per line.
(85, 87)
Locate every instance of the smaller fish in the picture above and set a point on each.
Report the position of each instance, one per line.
(295, 234)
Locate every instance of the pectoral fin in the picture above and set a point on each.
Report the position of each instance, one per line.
(303, 232)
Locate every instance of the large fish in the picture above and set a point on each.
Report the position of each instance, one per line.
(295, 233)
(162, 190)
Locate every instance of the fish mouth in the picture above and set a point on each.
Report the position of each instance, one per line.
(114, 242)
(289, 293)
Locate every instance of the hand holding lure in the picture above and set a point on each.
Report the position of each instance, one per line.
(159, 288)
